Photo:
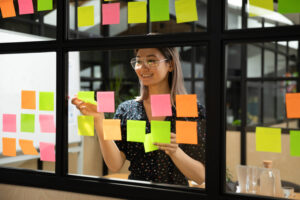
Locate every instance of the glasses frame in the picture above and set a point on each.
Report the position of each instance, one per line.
(133, 60)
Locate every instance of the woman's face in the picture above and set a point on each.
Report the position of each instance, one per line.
(152, 69)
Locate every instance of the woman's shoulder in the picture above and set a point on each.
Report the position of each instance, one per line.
(129, 104)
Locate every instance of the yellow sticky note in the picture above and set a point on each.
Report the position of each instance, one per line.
(85, 125)
(85, 16)
(268, 139)
(186, 11)
(258, 7)
(112, 129)
(137, 12)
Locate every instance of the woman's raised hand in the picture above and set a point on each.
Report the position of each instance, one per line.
(86, 108)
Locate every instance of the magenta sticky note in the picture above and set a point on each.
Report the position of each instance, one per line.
(111, 13)
(25, 7)
(161, 105)
(47, 124)
(47, 151)
(9, 123)
(106, 102)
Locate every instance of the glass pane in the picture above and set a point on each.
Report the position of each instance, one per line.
(269, 63)
(28, 110)
(200, 92)
(233, 104)
(27, 24)
(269, 91)
(233, 60)
(97, 72)
(254, 60)
(253, 103)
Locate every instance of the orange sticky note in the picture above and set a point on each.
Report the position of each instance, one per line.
(186, 132)
(186, 105)
(9, 146)
(112, 129)
(27, 147)
(292, 105)
(28, 99)
(7, 8)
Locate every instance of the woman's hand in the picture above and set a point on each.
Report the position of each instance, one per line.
(86, 108)
(171, 148)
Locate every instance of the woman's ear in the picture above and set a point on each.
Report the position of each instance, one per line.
(171, 66)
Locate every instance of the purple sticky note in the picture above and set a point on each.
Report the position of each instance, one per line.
(47, 124)
(111, 13)
(106, 102)
(47, 151)
(161, 105)
(9, 123)
(25, 7)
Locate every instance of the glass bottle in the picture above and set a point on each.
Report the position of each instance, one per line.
(267, 179)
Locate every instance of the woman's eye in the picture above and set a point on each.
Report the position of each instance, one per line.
(139, 62)
(151, 62)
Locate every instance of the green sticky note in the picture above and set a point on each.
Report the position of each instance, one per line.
(44, 5)
(27, 123)
(137, 12)
(87, 96)
(159, 10)
(148, 143)
(85, 125)
(186, 11)
(161, 131)
(85, 16)
(295, 143)
(258, 7)
(46, 101)
(288, 6)
(136, 131)
(268, 139)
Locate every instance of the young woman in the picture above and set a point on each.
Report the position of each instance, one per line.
(159, 72)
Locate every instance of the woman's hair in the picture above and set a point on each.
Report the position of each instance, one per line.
(175, 78)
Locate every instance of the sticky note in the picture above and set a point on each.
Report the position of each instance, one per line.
(161, 105)
(136, 131)
(87, 96)
(288, 6)
(47, 124)
(292, 101)
(186, 132)
(159, 10)
(25, 7)
(137, 12)
(186, 11)
(268, 139)
(86, 16)
(295, 143)
(27, 123)
(148, 143)
(111, 13)
(161, 131)
(46, 101)
(7, 8)
(27, 147)
(9, 123)
(257, 7)
(28, 99)
(43, 5)
(85, 125)
(112, 129)
(47, 151)
(106, 102)
(9, 146)
(186, 105)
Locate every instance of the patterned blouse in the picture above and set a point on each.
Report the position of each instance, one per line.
(157, 166)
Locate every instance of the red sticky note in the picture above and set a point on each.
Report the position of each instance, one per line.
(47, 124)
(292, 101)
(25, 7)
(111, 13)
(186, 105)
(27, 147)
(161, 105)
(9, 146)
(7, 8)
(106, 102)
(47, 151)
(28, 99)
(186, 132)
(9, 123)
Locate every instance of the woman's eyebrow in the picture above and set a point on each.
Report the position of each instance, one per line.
(151, 56)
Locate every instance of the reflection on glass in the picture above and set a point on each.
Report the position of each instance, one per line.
(253, 103)
(254, 60)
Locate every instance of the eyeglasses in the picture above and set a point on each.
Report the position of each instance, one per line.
(137, 63)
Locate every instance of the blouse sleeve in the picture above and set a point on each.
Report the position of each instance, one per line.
(121, 114)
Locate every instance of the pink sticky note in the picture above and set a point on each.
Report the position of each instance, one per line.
(106, 102)
(161, 105)
(111, 13)
(9, 123)
(25, 7)
(47, 124)
(47, 151)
